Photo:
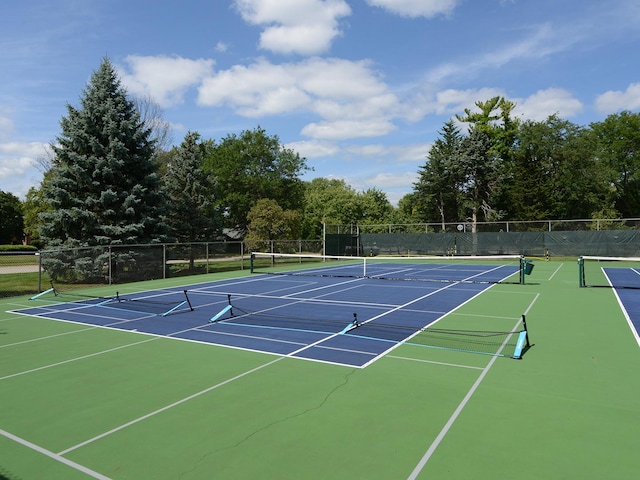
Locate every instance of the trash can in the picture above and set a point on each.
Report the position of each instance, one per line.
(528, 267)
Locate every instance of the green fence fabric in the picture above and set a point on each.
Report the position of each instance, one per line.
(559, 244)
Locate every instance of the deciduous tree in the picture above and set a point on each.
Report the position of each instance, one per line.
(268, 221)
(11, 219)
(617, 142)
(252, 166)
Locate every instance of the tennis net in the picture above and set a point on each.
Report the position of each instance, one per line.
(614, 272)
(472, 269)
(288, 313)
(158, 303)
(403, 327)
(512, 344)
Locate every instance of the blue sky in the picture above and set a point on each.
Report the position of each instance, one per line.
(360, 88)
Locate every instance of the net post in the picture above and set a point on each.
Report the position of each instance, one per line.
(354, 324)
(188, 301)
(522, 265)
(581, 271)
(252, 258)
(522, 344)
(173, 309)
(42, 293)
(228, 308)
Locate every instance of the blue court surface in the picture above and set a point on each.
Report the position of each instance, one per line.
(344, 321)
(626, 282)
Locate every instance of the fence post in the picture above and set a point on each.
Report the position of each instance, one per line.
(164, 260)
(39, 272)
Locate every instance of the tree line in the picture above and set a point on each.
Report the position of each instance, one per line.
(112, 180)
(504, 169)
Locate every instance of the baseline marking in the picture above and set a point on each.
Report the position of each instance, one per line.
(168, 407)
(432, 448)
(52, 455)
(84, 357)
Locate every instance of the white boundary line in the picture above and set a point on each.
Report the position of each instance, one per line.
(52, 455)
(556, 271)
(434, 445)
(48, 336)
(434, 362)
(634, 332)
(83, 357)
(167, 407)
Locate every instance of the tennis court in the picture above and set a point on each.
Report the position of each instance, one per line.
(623, 275)
(308, 314)
(299, 376)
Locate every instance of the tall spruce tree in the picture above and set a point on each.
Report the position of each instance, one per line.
(103, 185)
(437, 190)
(190, 214)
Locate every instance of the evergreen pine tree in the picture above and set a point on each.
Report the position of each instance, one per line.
(103, 185)
(438, 189)
(188, 188)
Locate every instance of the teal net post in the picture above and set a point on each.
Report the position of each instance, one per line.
(522, 344)
(581, 271)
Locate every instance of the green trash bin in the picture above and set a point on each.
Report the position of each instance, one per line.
(528, 267)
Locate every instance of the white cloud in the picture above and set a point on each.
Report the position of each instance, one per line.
(416, 8)
(535, 107)
(386, 181)
(446, 102)
(304, 27)
(548, 102)
(542, 42)
(615, 100)
(348, 96)
(392, 153)
(165, 79)
(258, 89)
(314, 148)
(344, 129)
(452, 101)
(412, 153)
(394, 185)
(17, 166)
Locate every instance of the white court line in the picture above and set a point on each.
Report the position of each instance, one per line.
(634, 332)
(296, 352)
(76, 359)
(433, 362)
(556, 271)
(167, 407)
(52, 455)
(47, 337)
(432, 448)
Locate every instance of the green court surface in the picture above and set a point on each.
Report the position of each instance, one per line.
(80, 402)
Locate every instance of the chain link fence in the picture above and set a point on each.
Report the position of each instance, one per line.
(28, 273)
(480, 227)
(23, 273)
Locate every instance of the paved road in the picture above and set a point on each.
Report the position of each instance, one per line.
(18, 269)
